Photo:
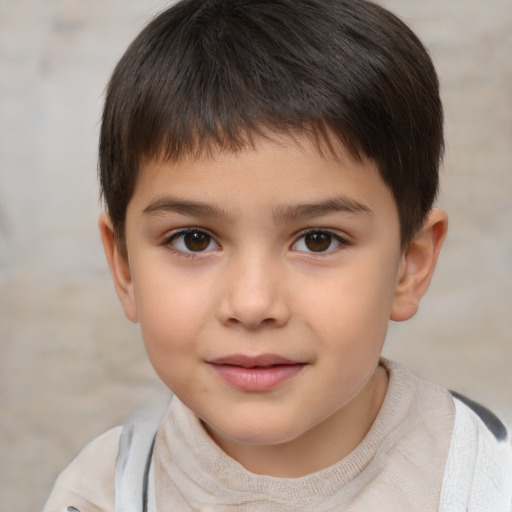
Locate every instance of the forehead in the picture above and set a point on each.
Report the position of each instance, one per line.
(278, 176)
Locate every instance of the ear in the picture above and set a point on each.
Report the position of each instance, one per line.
(418, 264)
(119, 268)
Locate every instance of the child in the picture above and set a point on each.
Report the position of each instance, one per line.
(269, 170)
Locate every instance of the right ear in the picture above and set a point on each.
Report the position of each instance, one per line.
(119, 268)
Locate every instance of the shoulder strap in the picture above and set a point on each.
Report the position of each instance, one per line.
(132, 476)
(491, 421)
(478, 471)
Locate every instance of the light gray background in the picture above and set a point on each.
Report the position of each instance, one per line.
(72, 366)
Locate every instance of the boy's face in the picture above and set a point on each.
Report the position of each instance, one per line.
(264, 282)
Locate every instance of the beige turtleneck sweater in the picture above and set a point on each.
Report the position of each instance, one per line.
(399, 465)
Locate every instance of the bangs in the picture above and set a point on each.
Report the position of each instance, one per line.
(225, 77)
(220, 74)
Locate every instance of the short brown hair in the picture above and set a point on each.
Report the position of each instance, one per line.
(208, 73)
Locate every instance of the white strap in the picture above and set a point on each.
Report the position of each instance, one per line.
(478, 472)
(135, 448)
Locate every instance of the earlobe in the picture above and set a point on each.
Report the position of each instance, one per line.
(119, 268)
(418, 265)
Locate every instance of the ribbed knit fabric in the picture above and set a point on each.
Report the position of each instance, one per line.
(398, 467)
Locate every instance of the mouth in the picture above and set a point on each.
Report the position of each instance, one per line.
(256, 373)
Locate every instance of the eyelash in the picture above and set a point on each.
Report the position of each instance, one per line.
(332, 237)
(168, 242)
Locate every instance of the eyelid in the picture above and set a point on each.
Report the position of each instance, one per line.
(343, 241)
(188, 253)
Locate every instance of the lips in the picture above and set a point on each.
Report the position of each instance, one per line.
(262, 361)
(256, 373)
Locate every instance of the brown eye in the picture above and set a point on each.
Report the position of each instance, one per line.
(193, 240)
(196, 240)
(318, 242)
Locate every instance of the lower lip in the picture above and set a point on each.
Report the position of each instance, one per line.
(257, 379)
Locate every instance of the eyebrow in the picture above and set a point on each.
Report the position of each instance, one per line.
(192, 208)
(281, 214)
(329, 206)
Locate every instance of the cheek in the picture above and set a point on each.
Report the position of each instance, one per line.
(173, 310)
(352, 307)
(364, 291)
(171, 327)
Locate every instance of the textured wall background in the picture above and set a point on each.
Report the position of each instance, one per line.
(71, 365)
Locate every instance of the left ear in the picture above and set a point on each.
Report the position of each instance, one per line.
(418, 264)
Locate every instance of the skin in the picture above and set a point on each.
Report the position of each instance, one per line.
(257, 283)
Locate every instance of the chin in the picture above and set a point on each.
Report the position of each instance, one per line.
(253, 434)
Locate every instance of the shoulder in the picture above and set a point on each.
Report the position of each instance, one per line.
(478, 471)
(423, 401)
(476, 462)
(88, 482)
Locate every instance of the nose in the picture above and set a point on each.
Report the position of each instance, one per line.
(254, 294)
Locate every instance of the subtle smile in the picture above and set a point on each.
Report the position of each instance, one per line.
(256, 374)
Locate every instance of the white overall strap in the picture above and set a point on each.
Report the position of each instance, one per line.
(133, 476)
(478, 471)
